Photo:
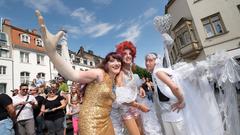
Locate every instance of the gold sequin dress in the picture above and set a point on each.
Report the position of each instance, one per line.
(94, 116)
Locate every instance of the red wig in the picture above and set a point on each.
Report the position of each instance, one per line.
(126, 45)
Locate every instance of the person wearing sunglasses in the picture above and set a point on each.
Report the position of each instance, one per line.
(24, 105)
(53, 108)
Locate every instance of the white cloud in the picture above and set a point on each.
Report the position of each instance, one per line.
(88, 25)
(119, 26)
(94, 31)
(83, 15)
(150, 12)
(75, 30)
(47, 5)
(99, 29)
(104, 2)
(131, 33)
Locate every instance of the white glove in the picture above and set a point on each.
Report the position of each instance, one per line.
(63, 67)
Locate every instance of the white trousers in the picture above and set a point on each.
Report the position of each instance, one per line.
(174, 128)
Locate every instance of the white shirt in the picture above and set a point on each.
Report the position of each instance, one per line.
(27, 112)
(166, 113)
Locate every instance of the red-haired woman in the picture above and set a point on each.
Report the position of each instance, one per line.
(126, 91)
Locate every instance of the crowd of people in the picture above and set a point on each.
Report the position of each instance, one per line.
(38, 108)
(112, 100)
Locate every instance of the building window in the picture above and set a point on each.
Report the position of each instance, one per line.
(40, 59)
(4, 53)
(73, 67)
(81, 69)
(85, 62)
(3, 70)
(24, 57)
(24, 77)
(78, 60)
(3, 37)
(213, 25)
(41, 75)
(91, 63)
(238, 7)
(39, 42)
(184, 38)
(3, 87)
(25, 38)
(72, 56)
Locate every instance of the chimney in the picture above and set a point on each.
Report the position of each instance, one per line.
(90, 52)
(7, 22)
(34, 31)
(81, 50)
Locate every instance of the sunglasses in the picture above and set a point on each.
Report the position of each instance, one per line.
(51, 92)
(25, 89)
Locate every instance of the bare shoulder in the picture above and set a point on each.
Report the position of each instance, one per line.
(119, 79)
(100, 74)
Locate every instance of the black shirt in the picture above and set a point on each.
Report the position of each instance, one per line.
(37, 109)
(50, 104)
(5, 100)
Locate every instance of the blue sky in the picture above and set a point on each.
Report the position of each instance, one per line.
(97, 25)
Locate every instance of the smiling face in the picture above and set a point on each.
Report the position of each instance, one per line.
(73, 89)
(114, 66)
(24, 90)
(127, 56)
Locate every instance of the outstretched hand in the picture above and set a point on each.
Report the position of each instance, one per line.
(50, 40)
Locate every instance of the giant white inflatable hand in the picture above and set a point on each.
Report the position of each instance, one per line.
(62, 66)
(50, 40)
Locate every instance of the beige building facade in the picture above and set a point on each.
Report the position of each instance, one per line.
(202, 27)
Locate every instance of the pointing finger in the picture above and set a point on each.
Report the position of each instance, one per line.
(40, 18)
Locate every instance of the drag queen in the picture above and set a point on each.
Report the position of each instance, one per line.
(126, 108)
(168, 97)
(95, 110)
(201, 114)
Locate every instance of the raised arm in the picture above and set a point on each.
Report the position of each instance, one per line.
(63, 67)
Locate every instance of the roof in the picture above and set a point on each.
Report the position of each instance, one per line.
(180, 22)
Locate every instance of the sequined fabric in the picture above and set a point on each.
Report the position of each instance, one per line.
(95, 110)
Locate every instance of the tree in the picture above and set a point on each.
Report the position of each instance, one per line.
(142, 72)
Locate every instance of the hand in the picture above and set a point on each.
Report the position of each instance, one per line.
(23, 103)
(31, 103)
(50, 40)
(142, 92)
(46, 110)
(178, 106)
(54, 109)
(143, 108)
